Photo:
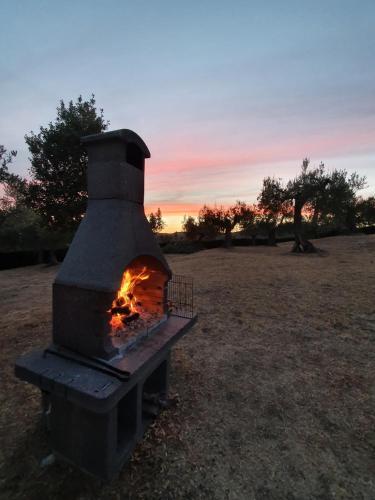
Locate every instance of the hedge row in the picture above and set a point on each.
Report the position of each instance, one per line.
(19, 259)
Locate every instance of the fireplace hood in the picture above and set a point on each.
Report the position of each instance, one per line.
(114, 230)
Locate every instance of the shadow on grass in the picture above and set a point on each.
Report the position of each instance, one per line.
(22, 476)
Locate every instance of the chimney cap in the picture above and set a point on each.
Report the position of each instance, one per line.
(123, 135)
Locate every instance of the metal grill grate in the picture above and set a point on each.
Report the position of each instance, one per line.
(180, 296)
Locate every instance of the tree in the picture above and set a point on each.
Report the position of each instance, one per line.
(322, 194)
(336, 204)
(224, 220)
(273, 206)
(20, 229)
(5, 177)
(208, 222)
(57, 189)
(249, 224)
(191, 228)
(156, 221)
(5, 159)
(206, 225)
(301, 191)
(365, 211)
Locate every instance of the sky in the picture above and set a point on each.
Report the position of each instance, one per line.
(223, 93)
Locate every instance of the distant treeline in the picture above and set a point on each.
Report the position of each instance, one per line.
(169, 243)
(316, 202)
(9, 260)
(172, 244)
(40, 214)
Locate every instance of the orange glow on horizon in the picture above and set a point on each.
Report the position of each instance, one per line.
(201, 171)
(173, 213)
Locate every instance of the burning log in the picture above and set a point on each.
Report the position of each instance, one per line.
(129, 319)
(120, 302)
(121, 310)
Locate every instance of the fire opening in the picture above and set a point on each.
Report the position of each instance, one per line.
(126, 308)
(140, 304)
(145, 299)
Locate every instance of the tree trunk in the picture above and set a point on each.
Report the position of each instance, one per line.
(314, 222)
(272, 236)
(301, 244)
(40, 256)
(52, 258)
(228, 238)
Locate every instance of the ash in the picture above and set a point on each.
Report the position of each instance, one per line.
(133, 333)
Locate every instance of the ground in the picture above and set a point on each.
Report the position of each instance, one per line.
(274, 386)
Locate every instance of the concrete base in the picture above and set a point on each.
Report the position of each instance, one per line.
(94, 417)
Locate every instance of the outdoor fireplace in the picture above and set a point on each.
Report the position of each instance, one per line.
(117, 311)
(113, 244)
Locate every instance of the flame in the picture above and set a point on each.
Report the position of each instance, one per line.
(125, 296)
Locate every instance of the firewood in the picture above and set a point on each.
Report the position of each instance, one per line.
(120, 301)
(121, 310)
(131, 318)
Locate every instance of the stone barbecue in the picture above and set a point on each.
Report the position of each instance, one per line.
(117, 311)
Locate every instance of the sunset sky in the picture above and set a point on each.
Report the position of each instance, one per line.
(223, 92)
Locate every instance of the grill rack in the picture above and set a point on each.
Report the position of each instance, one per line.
(180, 296)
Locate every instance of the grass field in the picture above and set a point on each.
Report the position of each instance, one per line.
(274, 386)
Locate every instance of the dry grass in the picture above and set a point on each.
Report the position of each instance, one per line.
(275, 383)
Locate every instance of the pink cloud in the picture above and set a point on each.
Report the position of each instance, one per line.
(204, 159)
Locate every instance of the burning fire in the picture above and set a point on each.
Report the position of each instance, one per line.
(126, 307)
